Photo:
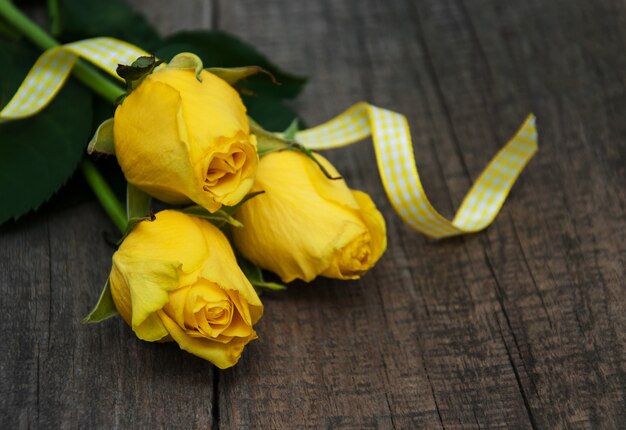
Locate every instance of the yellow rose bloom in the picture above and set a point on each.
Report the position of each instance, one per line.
(179, 139)
(176, 279)
(305, 224)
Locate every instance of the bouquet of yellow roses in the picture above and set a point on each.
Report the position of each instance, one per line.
(235, 199)
(182, 135)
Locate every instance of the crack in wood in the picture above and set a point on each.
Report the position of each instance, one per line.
(530, 272)
(520, 386)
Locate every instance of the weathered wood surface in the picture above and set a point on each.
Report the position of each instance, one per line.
(521, 326)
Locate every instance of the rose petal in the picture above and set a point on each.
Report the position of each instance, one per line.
(223, 355)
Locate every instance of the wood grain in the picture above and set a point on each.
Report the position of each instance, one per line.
(521, 326)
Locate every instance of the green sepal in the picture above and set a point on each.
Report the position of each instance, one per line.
(269, 285)
(137, 71)
(291, 131)
(104, 309)
(102, 140)
(232, 209)
(138, 209)
(306, 151)
(232, 75)
(269, 142)
(132, 223)
(219, 218)
(187, 60)
(138, 203)
(223, 216)
(255, 275)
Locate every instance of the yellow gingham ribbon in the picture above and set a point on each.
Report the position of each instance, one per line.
(47, 76)
(390, 131)
(396, 164)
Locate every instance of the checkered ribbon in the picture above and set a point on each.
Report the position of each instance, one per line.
(390, 131)
(51, 70)
(396, 164)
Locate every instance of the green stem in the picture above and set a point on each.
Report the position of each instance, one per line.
(87, 74)
(98, 83)
(105, 195)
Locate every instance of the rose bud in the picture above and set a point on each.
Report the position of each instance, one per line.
(176, 279)
(180, 139)
(305, 224)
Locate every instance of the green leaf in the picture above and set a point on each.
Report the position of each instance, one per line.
(81, 19)
(138, 203)
(38, 154)
(255, 275)
(104, 309)
(221, 50)
(76, 190)
(218, 49)
(271, 112)
(102, 141)
(140, 68)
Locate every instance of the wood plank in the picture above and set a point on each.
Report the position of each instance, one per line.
(171, 16)
(25, 280)
(520, 326)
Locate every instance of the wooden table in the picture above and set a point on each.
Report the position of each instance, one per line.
(521, 326)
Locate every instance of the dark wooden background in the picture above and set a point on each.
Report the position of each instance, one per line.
(521, 326)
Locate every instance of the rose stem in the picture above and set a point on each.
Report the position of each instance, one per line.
(105, 195)
(94, 80)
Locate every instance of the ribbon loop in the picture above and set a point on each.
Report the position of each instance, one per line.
(398, 171)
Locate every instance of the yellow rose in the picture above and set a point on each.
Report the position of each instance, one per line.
(179, 139)
(305, 224)
(176, 279)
